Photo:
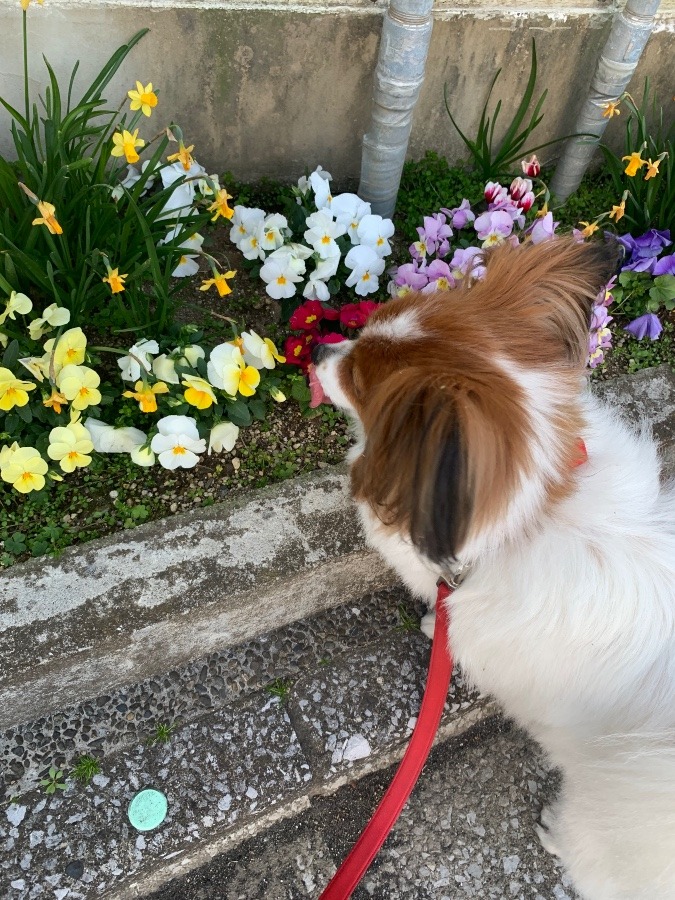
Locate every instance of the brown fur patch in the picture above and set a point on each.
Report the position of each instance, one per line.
(447, 433)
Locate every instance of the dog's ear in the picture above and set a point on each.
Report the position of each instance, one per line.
(413, 471)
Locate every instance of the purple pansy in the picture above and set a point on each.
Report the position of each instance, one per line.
(543, 229)
(644, 250)
(494, 226)
(644, 326)
(664, 266)
(461, 215)
(464, 262)
(409, 275)
(440, 277)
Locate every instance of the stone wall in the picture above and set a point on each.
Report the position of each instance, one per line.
(268, 87)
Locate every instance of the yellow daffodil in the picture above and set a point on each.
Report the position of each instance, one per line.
(26, 3)
(13, 391)
(24, 469)
(220, 205)
(220, 281)
(125, 144)
(589, 228)
(48, 217)
(618, 212)
(610, 109)
(69, 350)
(635, 163)
(56, 401)
(79, 385)
(115, 280)
(143, 98)
(542, 212)
(17, 303)
(199, 392)
(70, 446)
(183, 156)
(146, 395)
(652, 169)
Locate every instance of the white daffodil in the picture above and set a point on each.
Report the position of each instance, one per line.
(321, 234)
(316, 288)
(17, 303)
(52, 317)
(139, 355)
(281, 272)
(245, 223)
(349, 210)
(260, 352)
(223, 437)
(320, 184)
(366, 267)
(108, 439)
(177, 444)
(374, 231)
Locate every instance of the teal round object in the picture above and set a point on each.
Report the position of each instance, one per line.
(147, 809)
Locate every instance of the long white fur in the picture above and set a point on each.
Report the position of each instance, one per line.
(570, 624)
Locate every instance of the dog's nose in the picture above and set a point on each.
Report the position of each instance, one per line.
(319, 352)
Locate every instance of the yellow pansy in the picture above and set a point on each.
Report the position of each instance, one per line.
(143, 98)
(48, 217)
(17, 303)
(24, 469)
(220, 281)
(125, 145)
(146, 395)
(115, 280)
(183, 156)
(277, 395)
(220, 205)
(249, 379)
(635, 163)
(79, 385)
(199, 392)
(69, 350)
(13, 391)
(71, 446)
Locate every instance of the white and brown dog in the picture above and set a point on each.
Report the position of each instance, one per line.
(468, 407)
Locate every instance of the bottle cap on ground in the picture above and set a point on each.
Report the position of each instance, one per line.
(147, 809)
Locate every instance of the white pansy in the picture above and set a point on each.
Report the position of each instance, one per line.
(143, 456)
(53, 317)
(259, 352)
(187, 262)
(374, 231)
(108, 439)
(273, 231)
(164, 366)
(142, 352)
(245, 222)
(208, 186)
(366, 267)
(321, 187)
(192, 354)
(177, 444)
(224, 366)
(179, 204)
(16, 303)
(297, 252)
(349, 210)
(316, 288)
(281, 273)
(250, 247)
(223, 437)
(321, 234)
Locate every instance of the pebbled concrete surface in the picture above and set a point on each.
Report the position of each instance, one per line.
(467, 831)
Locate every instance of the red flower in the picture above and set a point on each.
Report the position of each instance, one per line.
(331, 338)
(296, 350)
(330, 314)
(368, 307)
(307, 316)
(531, 166)
(353, 317)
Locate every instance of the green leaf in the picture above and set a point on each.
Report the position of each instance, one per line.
(11, 355)
(239, 413)
(663, 290)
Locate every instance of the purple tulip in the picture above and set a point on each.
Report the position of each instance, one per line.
(647, 325)
(664, 266)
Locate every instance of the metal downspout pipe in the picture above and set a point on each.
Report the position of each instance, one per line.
(629, 34)
(404, 46)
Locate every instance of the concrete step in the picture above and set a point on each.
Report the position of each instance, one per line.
(467, 831)
(238, 759)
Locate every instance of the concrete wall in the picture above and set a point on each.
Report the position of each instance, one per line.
(269, 87)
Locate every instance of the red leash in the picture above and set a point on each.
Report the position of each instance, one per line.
(375, 833)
